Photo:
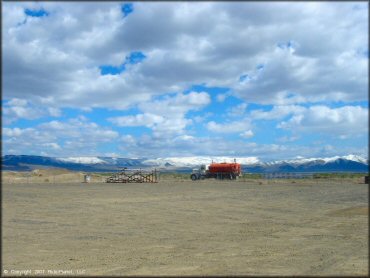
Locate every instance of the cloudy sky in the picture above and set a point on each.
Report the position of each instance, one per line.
(271, 80)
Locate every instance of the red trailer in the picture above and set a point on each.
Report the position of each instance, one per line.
(217, 170)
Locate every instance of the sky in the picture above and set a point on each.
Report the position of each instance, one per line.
(273, 80)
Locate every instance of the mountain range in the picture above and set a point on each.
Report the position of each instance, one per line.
(349, 163)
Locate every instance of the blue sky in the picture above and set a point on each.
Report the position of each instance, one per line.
(177, 79)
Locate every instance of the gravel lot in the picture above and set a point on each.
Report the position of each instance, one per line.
(186, 228)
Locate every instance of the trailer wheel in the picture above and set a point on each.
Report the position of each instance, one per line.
(194, 177)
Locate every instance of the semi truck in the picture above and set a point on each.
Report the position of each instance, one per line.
(217, 170)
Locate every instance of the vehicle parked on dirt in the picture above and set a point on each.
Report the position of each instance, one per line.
(218, 171)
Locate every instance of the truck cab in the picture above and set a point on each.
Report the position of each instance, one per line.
(199, 174)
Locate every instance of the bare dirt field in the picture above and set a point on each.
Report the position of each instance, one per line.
(291, 227)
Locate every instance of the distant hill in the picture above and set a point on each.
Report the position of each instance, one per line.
(349, 163)
(89, 164)
(319, 165)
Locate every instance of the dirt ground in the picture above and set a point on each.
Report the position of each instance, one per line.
(291, 227)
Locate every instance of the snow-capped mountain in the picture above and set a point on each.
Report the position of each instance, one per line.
(302, 160)
(82, 160)
(194, 161)
(349, 163)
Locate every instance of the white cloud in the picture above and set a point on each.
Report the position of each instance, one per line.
(16, 109)
(238, 110)
(58, 138)
(146, 119)
(285, 139)
(202, 118)
(171, 126)
(53, 62)
(13, 113)
(54, 146)
(54, 112)
(17, 102)
(229, 127)
(14, 132)
(128, 139)
(178, 104)
(277, 112)
(222, 97)
(167, 116)
(185, 146)
(247, 134)
(57, 57)
(289, 78)
(344, 121)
